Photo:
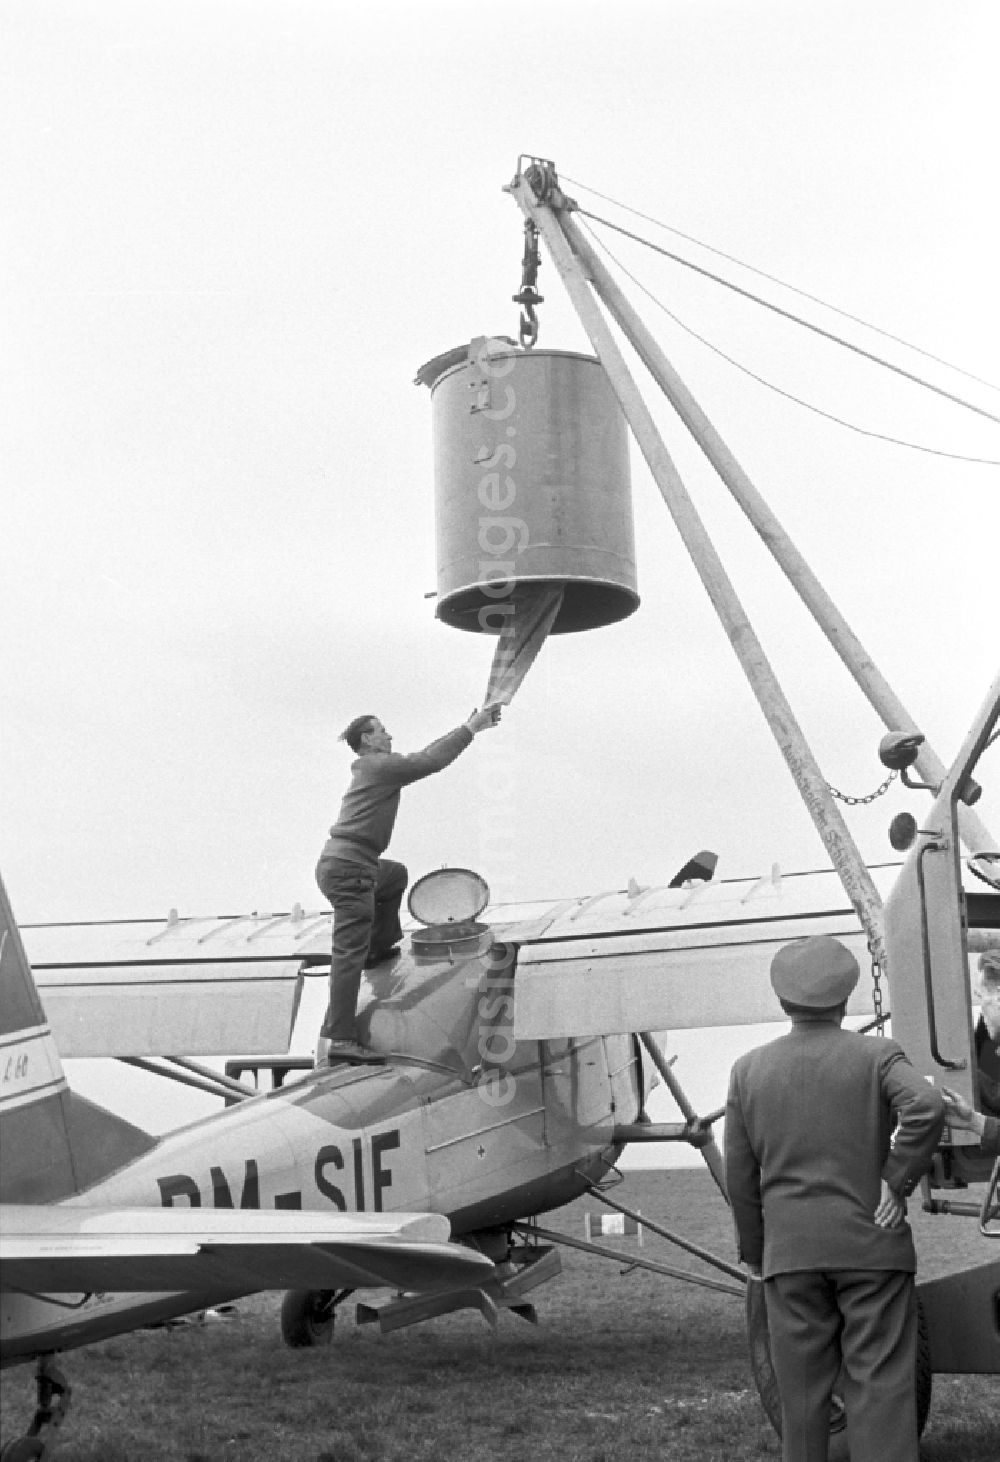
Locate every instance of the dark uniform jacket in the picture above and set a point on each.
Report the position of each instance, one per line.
(808, 1125)
(988, 1068)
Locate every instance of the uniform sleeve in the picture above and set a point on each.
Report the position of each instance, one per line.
(991, 1135)
(400, 770)
(989, 1093)
(743, 1179)
(919, 1111)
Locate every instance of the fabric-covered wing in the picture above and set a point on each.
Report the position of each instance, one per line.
(677, 958)
(191, 987)
(70, 1249)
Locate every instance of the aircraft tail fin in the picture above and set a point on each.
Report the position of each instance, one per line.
(51, 1144)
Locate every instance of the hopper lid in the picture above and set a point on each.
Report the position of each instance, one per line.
(448, 896)
(432, 370)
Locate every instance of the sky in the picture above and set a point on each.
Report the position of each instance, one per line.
(229, 235)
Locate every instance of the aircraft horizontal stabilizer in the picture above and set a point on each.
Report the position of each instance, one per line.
(67, 1249)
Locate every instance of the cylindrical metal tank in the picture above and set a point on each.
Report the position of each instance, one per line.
(532, 485)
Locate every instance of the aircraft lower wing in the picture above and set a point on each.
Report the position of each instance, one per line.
(71, 1249)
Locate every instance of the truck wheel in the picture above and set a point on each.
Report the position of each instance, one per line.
(307, 1317)
(24, 1449)
(925, 1374)
(760, 1363)
(767, 1385)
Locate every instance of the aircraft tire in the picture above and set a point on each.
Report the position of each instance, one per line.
(307, 1317)
(767, 1385)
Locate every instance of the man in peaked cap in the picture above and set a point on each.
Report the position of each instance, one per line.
(827, 1132)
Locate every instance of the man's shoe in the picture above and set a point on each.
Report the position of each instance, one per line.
(352, 1054)
(377, 957)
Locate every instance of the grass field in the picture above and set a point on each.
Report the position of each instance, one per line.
(635, 1365)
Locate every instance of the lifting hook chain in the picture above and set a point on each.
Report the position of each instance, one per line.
(528, 296)
(880, 1015)
(862, 801)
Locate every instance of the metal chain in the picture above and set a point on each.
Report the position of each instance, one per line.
(528, 296)
(862, 801)
(880, 1015)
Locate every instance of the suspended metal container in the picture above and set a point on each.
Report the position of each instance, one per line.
(531, 473)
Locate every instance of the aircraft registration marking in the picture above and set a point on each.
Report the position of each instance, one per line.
(353, 1175)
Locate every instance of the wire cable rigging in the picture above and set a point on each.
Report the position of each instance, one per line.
(790, 315)
(818, 410)
(794, 289)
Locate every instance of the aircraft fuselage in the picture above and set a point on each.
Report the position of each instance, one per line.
(461, 1120)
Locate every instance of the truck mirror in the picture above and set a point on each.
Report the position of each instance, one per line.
(902, 831)
(899, 749)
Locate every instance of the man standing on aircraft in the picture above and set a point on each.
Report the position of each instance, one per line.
(817, 1181)
(364, 888)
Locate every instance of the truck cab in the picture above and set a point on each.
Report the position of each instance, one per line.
(937, 927)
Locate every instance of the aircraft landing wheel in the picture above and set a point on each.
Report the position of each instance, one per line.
(767, 1385)
(307, 1316)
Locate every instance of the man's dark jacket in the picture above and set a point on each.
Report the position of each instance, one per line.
(808, 1125)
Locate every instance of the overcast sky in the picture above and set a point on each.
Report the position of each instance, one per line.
(230, 234)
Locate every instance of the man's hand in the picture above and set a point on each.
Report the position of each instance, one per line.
(483, 720)
(891, 1209)
(958, 1113)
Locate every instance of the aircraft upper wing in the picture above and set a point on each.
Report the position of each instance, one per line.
(695, 954)
(70, 1249)
(628, 959)
(179, 986)
(673, 958)
(691, 956)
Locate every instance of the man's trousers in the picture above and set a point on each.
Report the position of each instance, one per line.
(866, 1318)
(365, 924)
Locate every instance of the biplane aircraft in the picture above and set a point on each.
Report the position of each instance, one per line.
(344, 1178)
